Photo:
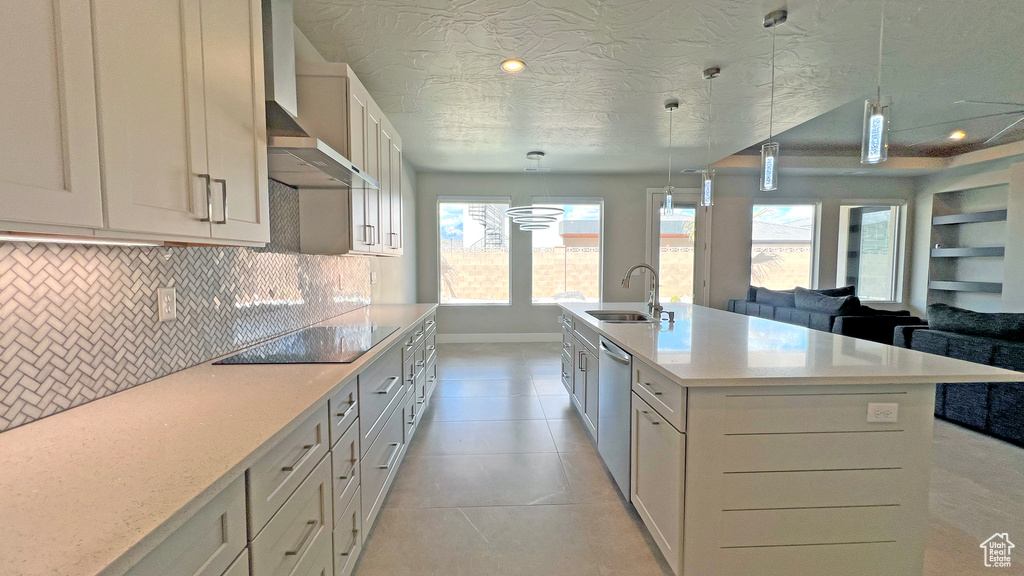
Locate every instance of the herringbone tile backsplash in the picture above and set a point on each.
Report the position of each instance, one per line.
(79, 322)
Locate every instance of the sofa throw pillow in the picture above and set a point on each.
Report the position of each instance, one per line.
(814, 301)
(752, 294)
(776, 298)
(843, 291)
(1003, 326)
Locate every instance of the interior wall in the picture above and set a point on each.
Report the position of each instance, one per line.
(625, 234)
(992, 178)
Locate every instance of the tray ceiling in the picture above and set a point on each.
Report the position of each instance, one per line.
(598, 73)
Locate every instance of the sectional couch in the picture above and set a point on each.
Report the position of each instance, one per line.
(996, 409)
(835, 310)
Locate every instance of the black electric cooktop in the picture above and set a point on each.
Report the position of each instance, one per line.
(317, 345)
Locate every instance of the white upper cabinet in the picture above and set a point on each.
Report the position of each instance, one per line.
(49, 166)
(181, 110)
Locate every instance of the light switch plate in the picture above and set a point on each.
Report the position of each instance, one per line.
(883, 412)
(373, 278)
(166, 304)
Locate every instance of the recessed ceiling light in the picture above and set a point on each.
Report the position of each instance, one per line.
(513, 66)
(958, 135)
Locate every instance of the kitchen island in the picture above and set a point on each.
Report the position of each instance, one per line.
(758, 447)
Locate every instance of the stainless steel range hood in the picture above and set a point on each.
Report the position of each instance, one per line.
(295, 157)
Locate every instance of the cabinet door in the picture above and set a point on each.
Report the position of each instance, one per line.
(590, 392)
(151, 104)
(236, 132)
(360, 226)
(49, 167)
(373, 197)
(386, 238)
(358, 110)
(396, 243)
(656, 476)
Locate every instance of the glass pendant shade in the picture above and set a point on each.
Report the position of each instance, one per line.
(769, 167)
(666, 209)
(707, 189)
(874, 147)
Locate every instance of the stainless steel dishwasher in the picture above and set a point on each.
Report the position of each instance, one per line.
(613, 411)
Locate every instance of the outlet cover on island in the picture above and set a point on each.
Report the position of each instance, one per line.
(883, 412)
(166, 304)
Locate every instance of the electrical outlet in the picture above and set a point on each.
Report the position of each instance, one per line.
(882, 412)
(166, 304)
(373, 278)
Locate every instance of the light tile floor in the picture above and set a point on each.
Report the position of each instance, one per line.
(502, 479)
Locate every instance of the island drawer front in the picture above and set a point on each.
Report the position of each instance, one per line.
(431, 347)
(378, 466)
(299, 530)
(273, 478)
(587, 336)
(345, 457)
(380, 389)
(431, 322)
(568, 346)
(664, 395)
(567, 372)
(344, 407)
(567, 321)
(206, 544)
(348, 537)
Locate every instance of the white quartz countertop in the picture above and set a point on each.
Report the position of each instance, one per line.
(91, 490)
(709, 347)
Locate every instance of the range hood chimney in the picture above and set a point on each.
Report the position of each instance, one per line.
(294, 156)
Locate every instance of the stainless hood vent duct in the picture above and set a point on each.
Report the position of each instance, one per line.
(295, 157)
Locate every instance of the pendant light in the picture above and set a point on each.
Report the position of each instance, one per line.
(770, 150)
(707, 176)
(874, 146)
(670, 106)
(532, 217)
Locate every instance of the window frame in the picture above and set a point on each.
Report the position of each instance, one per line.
(437, 239)
(815, 232)
(598, 200)
(899, 241)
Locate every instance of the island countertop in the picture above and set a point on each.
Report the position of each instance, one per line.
(710, 347)
(92, 490)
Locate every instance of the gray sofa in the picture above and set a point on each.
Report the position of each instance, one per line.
(849, 319)
(997, 408)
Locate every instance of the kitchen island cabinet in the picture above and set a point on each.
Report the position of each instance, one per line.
(765, 448)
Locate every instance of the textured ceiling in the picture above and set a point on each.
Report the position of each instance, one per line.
(599, 71)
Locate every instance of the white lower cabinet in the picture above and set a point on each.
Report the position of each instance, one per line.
(207, 544)
(348, 537)
(240, 567)
(656, 478)
(378, 466)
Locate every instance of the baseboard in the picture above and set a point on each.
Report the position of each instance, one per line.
(488, 338)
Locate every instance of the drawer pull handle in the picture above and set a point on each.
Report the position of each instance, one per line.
(431, 347)
(419, 401)
(310, 528)
(305, 451)
(391, 459)
(351, 406)
(430, 324)
(355, 541)
(649, 417)
(351, 472)
(386, 389)
(431, 379)
(564, 375)
(653, 389)
(566, 345)
(419, 362)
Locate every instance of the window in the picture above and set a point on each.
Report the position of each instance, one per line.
(675, 257)
(474, 252)
(567, 256)
(782, 245)
(868, 240)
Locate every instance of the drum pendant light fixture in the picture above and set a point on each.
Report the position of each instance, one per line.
(770, 150)
(707, 189)
(532, 217)
(874, 147)
(670, 106)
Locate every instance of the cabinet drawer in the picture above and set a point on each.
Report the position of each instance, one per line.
(299, 531)
(240, 566)
(586, 335)
(344, 408)
(567, 372)
(567, 321)
(348, 538)
(206, 544)
(431, 377)
(410, 414)
(664, 395)
(345, 457)
(380, 389)
(431, 322)
(568, 344)
(378, 465)
(275, 476)
(431, 347)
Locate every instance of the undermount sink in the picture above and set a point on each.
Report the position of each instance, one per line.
(620, 316)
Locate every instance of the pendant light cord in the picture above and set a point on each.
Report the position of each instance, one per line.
(881, 35)
(771, 113)
(711, 82)
(670, 111)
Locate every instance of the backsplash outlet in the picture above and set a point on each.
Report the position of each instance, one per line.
(78, 323)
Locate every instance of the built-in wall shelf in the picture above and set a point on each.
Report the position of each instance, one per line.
(970, 217)
(978, 252)
(961, 286)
